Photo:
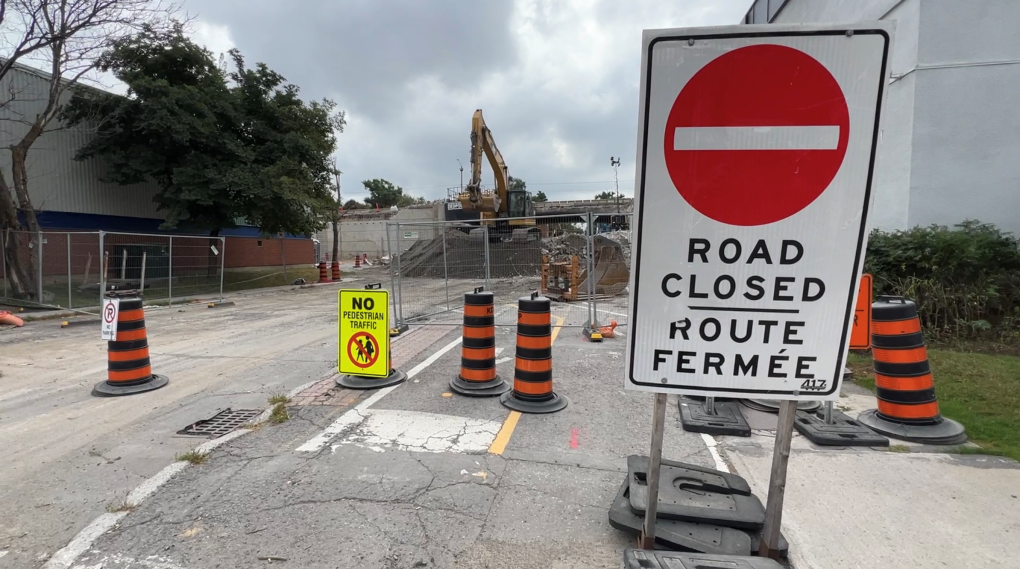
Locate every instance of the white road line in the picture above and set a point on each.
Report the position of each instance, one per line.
(756, 138)
(64, 557)
(501, 360)
(720, 464)
(357, 414)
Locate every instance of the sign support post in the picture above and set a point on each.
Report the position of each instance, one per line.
(769, 546)
(647, 540)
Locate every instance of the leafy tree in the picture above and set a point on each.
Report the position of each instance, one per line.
(607, 195)
(218, 152)
(64, 38)
(384, 194)
(540, 197)
(352, 204)
(517, 184)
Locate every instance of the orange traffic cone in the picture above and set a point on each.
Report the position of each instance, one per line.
(357, 261)
(478, 376)
(533, 376)
(129, 369)
(907, 406)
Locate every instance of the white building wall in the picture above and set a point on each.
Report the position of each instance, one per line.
(364, 231)
(949, 149)
(966, 154)
(57, 182)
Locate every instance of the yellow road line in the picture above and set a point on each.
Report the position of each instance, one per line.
(499, 443)
(507, 430)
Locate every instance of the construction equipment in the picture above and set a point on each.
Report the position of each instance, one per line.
(506, 210)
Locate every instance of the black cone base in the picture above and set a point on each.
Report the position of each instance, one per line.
(727, 420)
(490, 388)
(107, 389)
(557, 403)
(358, 382)
(769, 406)
(948, 432)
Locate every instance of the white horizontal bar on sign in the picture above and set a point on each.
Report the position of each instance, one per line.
(756, 138)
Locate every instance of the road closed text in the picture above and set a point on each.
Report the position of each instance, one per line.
(752, 321)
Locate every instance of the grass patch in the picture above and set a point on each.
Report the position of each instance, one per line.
(117, 508)
(193, 457)
(981, 391)
(279, 414)
(278, 398)
(898, 448)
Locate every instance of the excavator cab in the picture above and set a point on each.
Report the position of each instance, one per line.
(520, 204)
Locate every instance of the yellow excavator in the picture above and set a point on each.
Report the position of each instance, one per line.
(506, 210)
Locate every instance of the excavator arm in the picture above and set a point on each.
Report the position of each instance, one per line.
(482, 143)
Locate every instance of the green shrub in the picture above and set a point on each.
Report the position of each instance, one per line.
(965, 280)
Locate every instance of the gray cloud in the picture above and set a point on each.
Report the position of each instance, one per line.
(557, 79)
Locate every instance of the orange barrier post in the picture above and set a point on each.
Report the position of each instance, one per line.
(323, 273)
(478, 377)
(128, 368)
(904, 387)
(357, 261)
(335, 267)
(533, 386)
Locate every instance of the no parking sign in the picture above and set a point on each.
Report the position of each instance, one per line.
(754, 185)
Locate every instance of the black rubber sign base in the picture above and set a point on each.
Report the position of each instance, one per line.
(696, 494)
(358, 382)
(727, 420)
(642, 559)
(844, 431)
(674, 534)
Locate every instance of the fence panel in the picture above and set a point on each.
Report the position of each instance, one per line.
(433, 265)
(611, 244)
(579, 260)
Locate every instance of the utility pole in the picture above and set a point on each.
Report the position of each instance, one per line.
(615, 163)
(461, 174)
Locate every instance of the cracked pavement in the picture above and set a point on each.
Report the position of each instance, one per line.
(409, 481)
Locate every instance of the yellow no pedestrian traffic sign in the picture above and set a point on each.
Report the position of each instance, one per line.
(364, 332)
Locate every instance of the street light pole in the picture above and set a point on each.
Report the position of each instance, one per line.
(615, 163)
(461, 174)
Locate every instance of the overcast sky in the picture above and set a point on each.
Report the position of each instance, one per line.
(556, 79)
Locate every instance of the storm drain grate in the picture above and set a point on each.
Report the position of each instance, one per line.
(220, 423)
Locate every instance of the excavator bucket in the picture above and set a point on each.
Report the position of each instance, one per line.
(525, 234)
(611, 273)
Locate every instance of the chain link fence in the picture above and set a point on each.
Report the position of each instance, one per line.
(69, 270)
(581, 261)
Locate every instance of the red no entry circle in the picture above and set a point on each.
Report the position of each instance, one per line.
(756, 135)
(363, 349)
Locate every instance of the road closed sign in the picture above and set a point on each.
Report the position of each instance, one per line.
(364, 336)
(754, 183)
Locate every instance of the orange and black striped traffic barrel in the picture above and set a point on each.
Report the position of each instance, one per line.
(129, 370)
(324, 273)
(533, 373)
(907, 406)
(335, 269)
(478, 377)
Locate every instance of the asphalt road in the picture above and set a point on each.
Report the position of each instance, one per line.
(69, 456)
(415, 476)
